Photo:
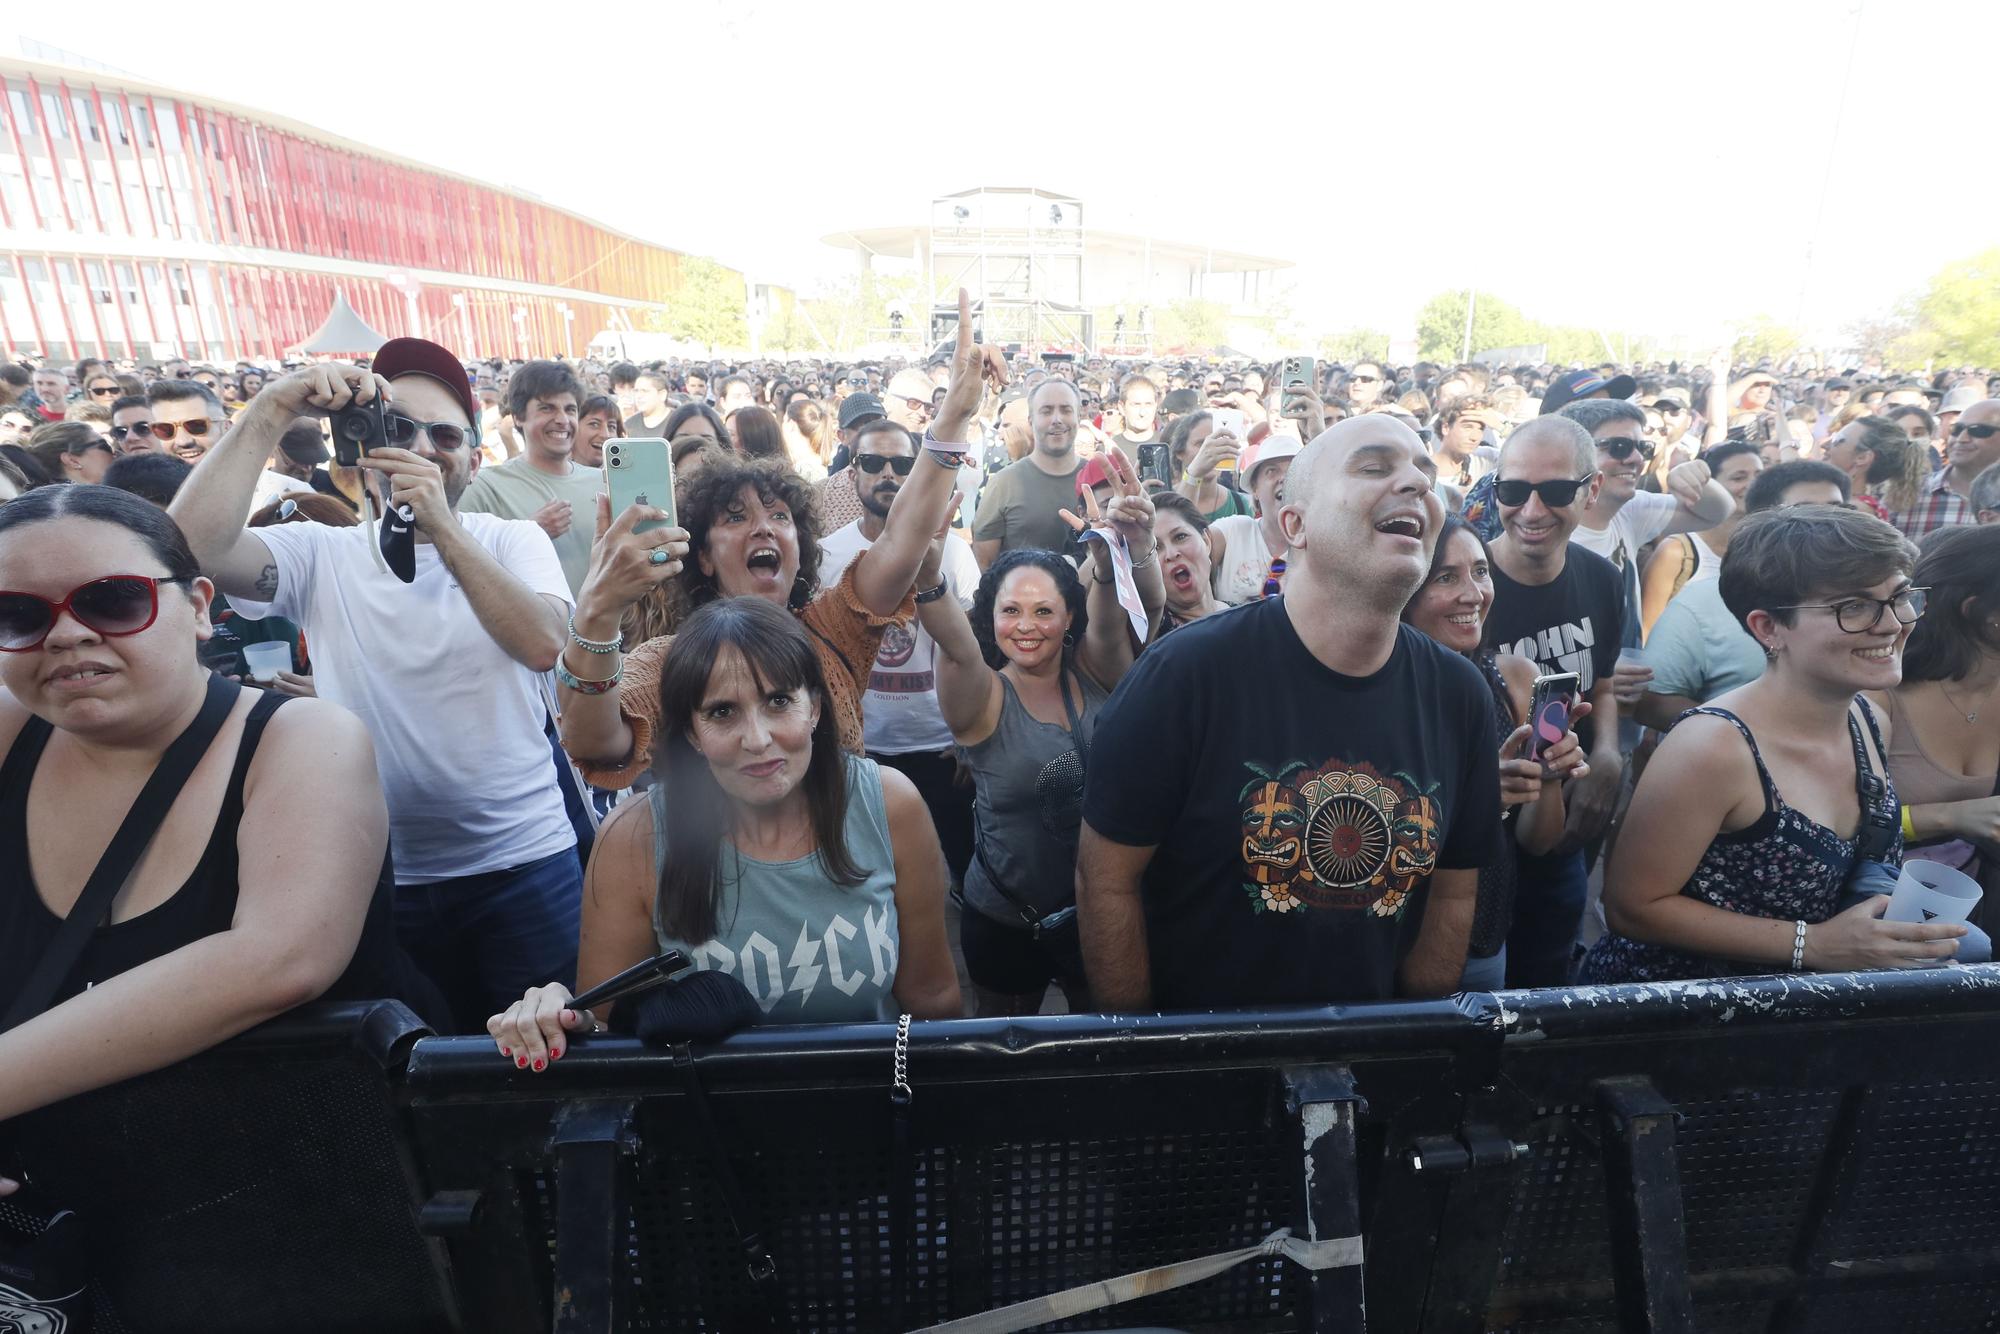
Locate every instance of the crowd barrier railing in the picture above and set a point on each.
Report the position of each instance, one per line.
(1802, 1153)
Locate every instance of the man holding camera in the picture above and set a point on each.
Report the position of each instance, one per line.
(444, 669)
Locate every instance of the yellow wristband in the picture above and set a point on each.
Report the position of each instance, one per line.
(1909, 830)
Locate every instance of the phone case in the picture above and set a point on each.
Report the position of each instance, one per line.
(640, 472)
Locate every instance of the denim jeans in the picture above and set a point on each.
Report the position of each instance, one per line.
(486, 938)
(1548, 909)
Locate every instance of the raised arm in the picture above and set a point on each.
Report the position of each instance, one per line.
(1704, 501)
(1109, 646)
(883, 573)
(968, 691)
(308, 856)
(215, 499)
(622, 571)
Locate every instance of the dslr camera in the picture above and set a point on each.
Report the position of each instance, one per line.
(359, 428)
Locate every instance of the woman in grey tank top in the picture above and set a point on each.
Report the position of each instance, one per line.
(1019, 684)
(763, 851)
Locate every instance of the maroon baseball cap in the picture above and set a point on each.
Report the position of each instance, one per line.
(417, 356)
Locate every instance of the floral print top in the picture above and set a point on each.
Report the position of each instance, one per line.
(1784, 866)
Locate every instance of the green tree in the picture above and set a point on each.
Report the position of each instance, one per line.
(1765, 337)
(1495, 323)
(707, 308)
(1352, 345)
(1191, 325)
(1958, 314)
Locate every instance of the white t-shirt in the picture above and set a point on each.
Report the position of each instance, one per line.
(273, 485)
(1246, 560)
(899, 714)
(1638, 521)
(465, 766)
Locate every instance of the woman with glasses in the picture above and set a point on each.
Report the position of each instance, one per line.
(257, 893)
(71, 451)
(1944, 738)
(1752, 814)
(101, 388)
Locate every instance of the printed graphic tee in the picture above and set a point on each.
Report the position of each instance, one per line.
(1573, 623)
(1297, 823)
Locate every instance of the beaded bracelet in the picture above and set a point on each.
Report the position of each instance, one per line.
(1799, 947)
(583, 687)
(590, 645)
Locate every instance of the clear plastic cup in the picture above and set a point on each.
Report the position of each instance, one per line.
(265, 661)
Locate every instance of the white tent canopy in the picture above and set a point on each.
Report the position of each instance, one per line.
(342, 331)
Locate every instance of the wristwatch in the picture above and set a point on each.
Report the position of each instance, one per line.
(932, 594)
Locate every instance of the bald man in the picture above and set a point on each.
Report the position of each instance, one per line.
(1275, 791)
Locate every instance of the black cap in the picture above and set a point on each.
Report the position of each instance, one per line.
(858, 408)
(1566, 389)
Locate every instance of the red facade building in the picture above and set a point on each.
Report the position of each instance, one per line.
(140, 221)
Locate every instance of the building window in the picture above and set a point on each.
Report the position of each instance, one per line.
(143, 120)
(52, 112)
(84, 118)
(24, 111)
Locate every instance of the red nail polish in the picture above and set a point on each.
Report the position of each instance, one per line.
(521, 1061)
(506, 1051)
(539, 1063)
(556, 1055)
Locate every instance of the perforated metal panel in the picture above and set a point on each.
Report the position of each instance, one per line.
(222, 1215)
(1930, 1178)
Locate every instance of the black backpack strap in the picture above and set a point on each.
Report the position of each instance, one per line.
(1879, 824)
(149, 809)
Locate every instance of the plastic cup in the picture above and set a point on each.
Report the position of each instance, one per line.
(265, 661)
(1931, 892)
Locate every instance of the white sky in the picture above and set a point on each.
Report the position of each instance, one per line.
(1636, 166)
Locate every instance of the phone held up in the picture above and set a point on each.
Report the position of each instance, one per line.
(1298, 373)
(1548, 711)
(640, 471)
(1155, 466)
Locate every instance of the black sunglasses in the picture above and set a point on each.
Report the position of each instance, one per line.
(1624, 447)
(1977, 430)
(120, 432)
(874, 463)
(1555, 493)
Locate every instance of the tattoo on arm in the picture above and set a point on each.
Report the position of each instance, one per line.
(267, 583)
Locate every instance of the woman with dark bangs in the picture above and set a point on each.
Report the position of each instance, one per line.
(763, 850)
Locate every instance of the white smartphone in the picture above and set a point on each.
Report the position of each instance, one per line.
(1233, 420)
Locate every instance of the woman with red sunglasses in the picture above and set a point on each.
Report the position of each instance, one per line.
(262, 884)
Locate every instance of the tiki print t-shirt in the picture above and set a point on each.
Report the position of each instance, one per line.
(1297, 813)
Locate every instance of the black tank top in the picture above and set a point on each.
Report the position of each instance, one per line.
(204, 904)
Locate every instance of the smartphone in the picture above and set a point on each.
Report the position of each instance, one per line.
(1548, 711)
(1233, 420)
(1297, 373)
(640, 472)
(1155, 465)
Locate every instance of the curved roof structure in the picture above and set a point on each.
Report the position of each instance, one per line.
(901, 242)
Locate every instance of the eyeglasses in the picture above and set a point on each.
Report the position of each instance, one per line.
(1857, 616)
(401, 431)
(1666, 407)
(104, 391)
(1274, 578)
(1624, 447)
(119, 604)
(194, 426)
(140, 428)
(1977, 430)
(1365, 379)
(1555, 493)
(874, 463)
(922, 405)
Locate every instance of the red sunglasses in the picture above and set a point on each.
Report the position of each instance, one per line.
(114, 606)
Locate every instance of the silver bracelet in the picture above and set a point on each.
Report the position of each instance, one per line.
(1151, 556)
(590, 645)
(1799, 947)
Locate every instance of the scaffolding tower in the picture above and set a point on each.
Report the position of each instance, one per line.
(1019, 252)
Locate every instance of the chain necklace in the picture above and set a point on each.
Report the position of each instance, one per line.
(1972, 717)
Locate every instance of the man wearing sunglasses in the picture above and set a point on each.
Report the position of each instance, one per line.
(1562, 607)
(446, 670)
(187, 417)
(907, 400)
(132, 426)
(1972, 447)
(902, 726)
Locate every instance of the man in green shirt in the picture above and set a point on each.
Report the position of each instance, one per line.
(543, 482)
(1019, 505)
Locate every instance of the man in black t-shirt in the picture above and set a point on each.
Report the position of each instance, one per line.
(1562, 608)
(1288, 802)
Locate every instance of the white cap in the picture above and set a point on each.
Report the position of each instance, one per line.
(1269, 450)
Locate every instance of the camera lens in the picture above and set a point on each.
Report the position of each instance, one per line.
(352, 427)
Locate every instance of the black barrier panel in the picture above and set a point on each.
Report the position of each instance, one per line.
(1795, 1155)
(261, 1186)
